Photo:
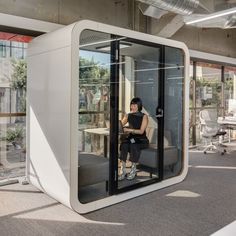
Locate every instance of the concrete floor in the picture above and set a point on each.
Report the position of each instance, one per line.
(200, 205)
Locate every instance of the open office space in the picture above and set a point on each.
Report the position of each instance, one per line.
(128, 105)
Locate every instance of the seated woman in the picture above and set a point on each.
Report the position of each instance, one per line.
(136, 139)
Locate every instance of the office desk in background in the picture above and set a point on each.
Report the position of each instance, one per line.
(228, 122)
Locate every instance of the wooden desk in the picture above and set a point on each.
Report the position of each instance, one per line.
(100, 131)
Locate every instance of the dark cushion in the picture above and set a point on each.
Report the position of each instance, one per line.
(149, 157)
(92, 169)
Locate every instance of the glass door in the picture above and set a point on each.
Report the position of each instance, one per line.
(140, 72)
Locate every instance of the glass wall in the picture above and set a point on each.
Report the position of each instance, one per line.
(173, 110)
(112, 71)
(230, 90)
(94, 115)
(12, 104)
(212, 87)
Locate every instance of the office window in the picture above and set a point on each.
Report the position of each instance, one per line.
(230, 90)
(212, 86)
(208, 85)
(12, 104)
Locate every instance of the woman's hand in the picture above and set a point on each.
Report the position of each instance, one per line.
(124, 120)
(128, 130)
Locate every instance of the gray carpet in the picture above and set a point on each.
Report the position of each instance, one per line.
(208, 203)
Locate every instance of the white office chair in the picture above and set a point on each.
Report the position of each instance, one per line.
(210, 130)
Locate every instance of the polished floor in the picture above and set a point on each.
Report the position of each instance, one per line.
(201, 205)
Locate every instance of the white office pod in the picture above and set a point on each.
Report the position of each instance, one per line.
(81, 80)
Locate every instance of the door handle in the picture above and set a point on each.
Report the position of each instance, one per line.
(159, 113)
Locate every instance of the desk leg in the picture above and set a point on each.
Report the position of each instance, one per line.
(83, 140)
(105, 146)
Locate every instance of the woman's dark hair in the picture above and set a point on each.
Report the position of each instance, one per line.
(137, 101)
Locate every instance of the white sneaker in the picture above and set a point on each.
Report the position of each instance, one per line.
(122, 176)
(122, 171)
(132, 173)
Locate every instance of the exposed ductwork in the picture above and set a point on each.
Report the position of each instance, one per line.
(190, 10)
(230, 22)
(182, 7)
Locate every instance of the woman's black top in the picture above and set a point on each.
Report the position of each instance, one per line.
(135, 122)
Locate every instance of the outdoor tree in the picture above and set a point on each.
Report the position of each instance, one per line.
(18, 83)
(91, 72)
(94, 78)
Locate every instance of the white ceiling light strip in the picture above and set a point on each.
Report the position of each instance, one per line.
(212, 16)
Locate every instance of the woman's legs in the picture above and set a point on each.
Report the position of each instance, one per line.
(122, 171)
(132, 172)
(135, 150)
(124, 149)
(134, 157)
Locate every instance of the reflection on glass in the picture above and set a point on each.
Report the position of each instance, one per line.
(208, 85)
(230, 95)
(230, 90)
(94, 117)
(173, 123)
(208, 90)
(12, 108)
(112, 71)
(191, 87)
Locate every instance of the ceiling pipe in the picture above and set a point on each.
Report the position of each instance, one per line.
(184, 7)
(230, 22)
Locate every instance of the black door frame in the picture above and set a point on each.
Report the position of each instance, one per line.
(160, 120)
(114, 114)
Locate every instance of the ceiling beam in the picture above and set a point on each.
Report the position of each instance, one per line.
(19, 22)
(171, 27)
